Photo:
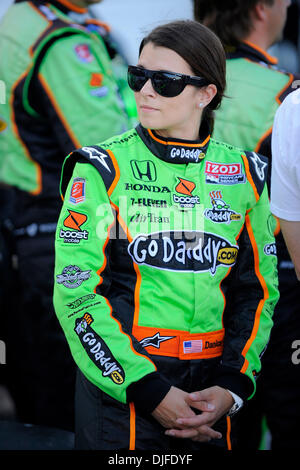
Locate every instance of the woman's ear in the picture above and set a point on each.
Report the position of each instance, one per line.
(206, 95)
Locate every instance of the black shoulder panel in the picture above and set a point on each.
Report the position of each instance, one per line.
(95, 155)
(258, 167)
(292, 86)
(57, 29)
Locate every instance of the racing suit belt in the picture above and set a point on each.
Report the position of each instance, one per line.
(180, 344)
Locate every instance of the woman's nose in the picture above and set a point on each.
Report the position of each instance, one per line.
(148, 88)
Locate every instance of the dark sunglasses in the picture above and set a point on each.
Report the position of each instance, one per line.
(166, 84)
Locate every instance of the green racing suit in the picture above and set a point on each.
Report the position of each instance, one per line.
(165, 266)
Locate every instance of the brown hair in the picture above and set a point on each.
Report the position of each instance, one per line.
(201, 49)
(230, 19)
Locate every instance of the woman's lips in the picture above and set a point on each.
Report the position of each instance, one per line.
(147, 109)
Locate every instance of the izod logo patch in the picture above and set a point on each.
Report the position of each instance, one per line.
(224, 173)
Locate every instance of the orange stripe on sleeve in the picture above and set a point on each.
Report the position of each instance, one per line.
(73, 7)
(265, 291)
(16, 132)
(291, 79)
(136, 268)
(100, 270)
(132, 426)
(263, 137)
(227, 274)
(277, 228)
(137, 294)
(249, 177)
(59, 112)
(117, 170)
(228, 433)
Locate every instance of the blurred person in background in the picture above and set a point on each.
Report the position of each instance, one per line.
(59, 67)
(255, 89)
(287, 50)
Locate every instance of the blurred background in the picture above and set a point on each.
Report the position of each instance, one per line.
(131, 19)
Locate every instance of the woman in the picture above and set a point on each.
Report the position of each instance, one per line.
(165, 279)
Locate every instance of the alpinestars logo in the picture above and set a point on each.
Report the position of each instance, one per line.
(154, 340)
(186, 200)
(260, 166)
(95, 154)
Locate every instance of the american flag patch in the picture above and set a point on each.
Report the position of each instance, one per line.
(193, 346)
(77, 191)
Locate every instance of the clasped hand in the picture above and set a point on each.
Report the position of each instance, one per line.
(176, 412)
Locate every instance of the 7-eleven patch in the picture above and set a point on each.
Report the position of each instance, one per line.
(77, 191)
(83, 53)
